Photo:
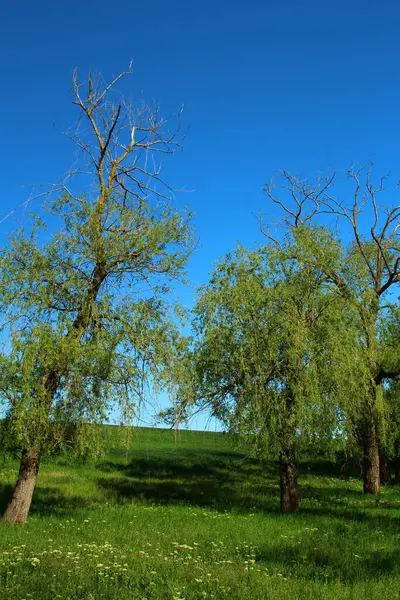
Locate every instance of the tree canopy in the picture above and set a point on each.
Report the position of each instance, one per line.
(85, 301)
(276, 352)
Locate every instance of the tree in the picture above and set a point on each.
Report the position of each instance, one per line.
(390, 445)
(86, 308)
(368, 273)
(274, 348)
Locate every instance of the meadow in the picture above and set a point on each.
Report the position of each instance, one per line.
(188, 516)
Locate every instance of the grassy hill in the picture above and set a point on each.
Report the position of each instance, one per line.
(188, 516)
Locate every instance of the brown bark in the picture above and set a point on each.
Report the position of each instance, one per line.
(18, 508)
(371, 460)
(290, 496)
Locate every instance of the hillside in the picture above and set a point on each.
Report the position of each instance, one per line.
(186, 516)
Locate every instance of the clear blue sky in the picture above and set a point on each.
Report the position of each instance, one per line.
(266, 85)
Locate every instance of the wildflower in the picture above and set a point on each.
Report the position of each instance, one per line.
(35, 561)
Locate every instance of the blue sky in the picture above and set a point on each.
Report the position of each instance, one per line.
(303, 86)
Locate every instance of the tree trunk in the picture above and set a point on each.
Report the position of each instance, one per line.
(384, 469)
(371, 460)
(290, 497)
(18, 509)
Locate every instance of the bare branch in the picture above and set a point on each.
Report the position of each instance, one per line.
(303, 203)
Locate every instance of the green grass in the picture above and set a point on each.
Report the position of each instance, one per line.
(192, 518)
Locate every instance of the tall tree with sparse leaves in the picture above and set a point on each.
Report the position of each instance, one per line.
(366, 277)
(84, 288)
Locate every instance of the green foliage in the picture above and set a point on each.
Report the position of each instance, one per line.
(275, 351)
(391, 400)
(84, 293)
(365, 273)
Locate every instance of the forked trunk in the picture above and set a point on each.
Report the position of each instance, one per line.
(371, 460)
(18, 508)
(290, 496)
(384, 469)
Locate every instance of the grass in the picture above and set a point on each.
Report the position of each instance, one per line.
(192, 518)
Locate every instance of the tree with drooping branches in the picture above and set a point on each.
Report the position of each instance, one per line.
(366, 277)
(84, 286)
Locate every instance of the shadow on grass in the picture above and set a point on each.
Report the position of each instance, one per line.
(231, 482)
(48, 500)
(330, 564)
(193, 465)
(51, 500)
(342, 467)
(223, 481)
(219, 480)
